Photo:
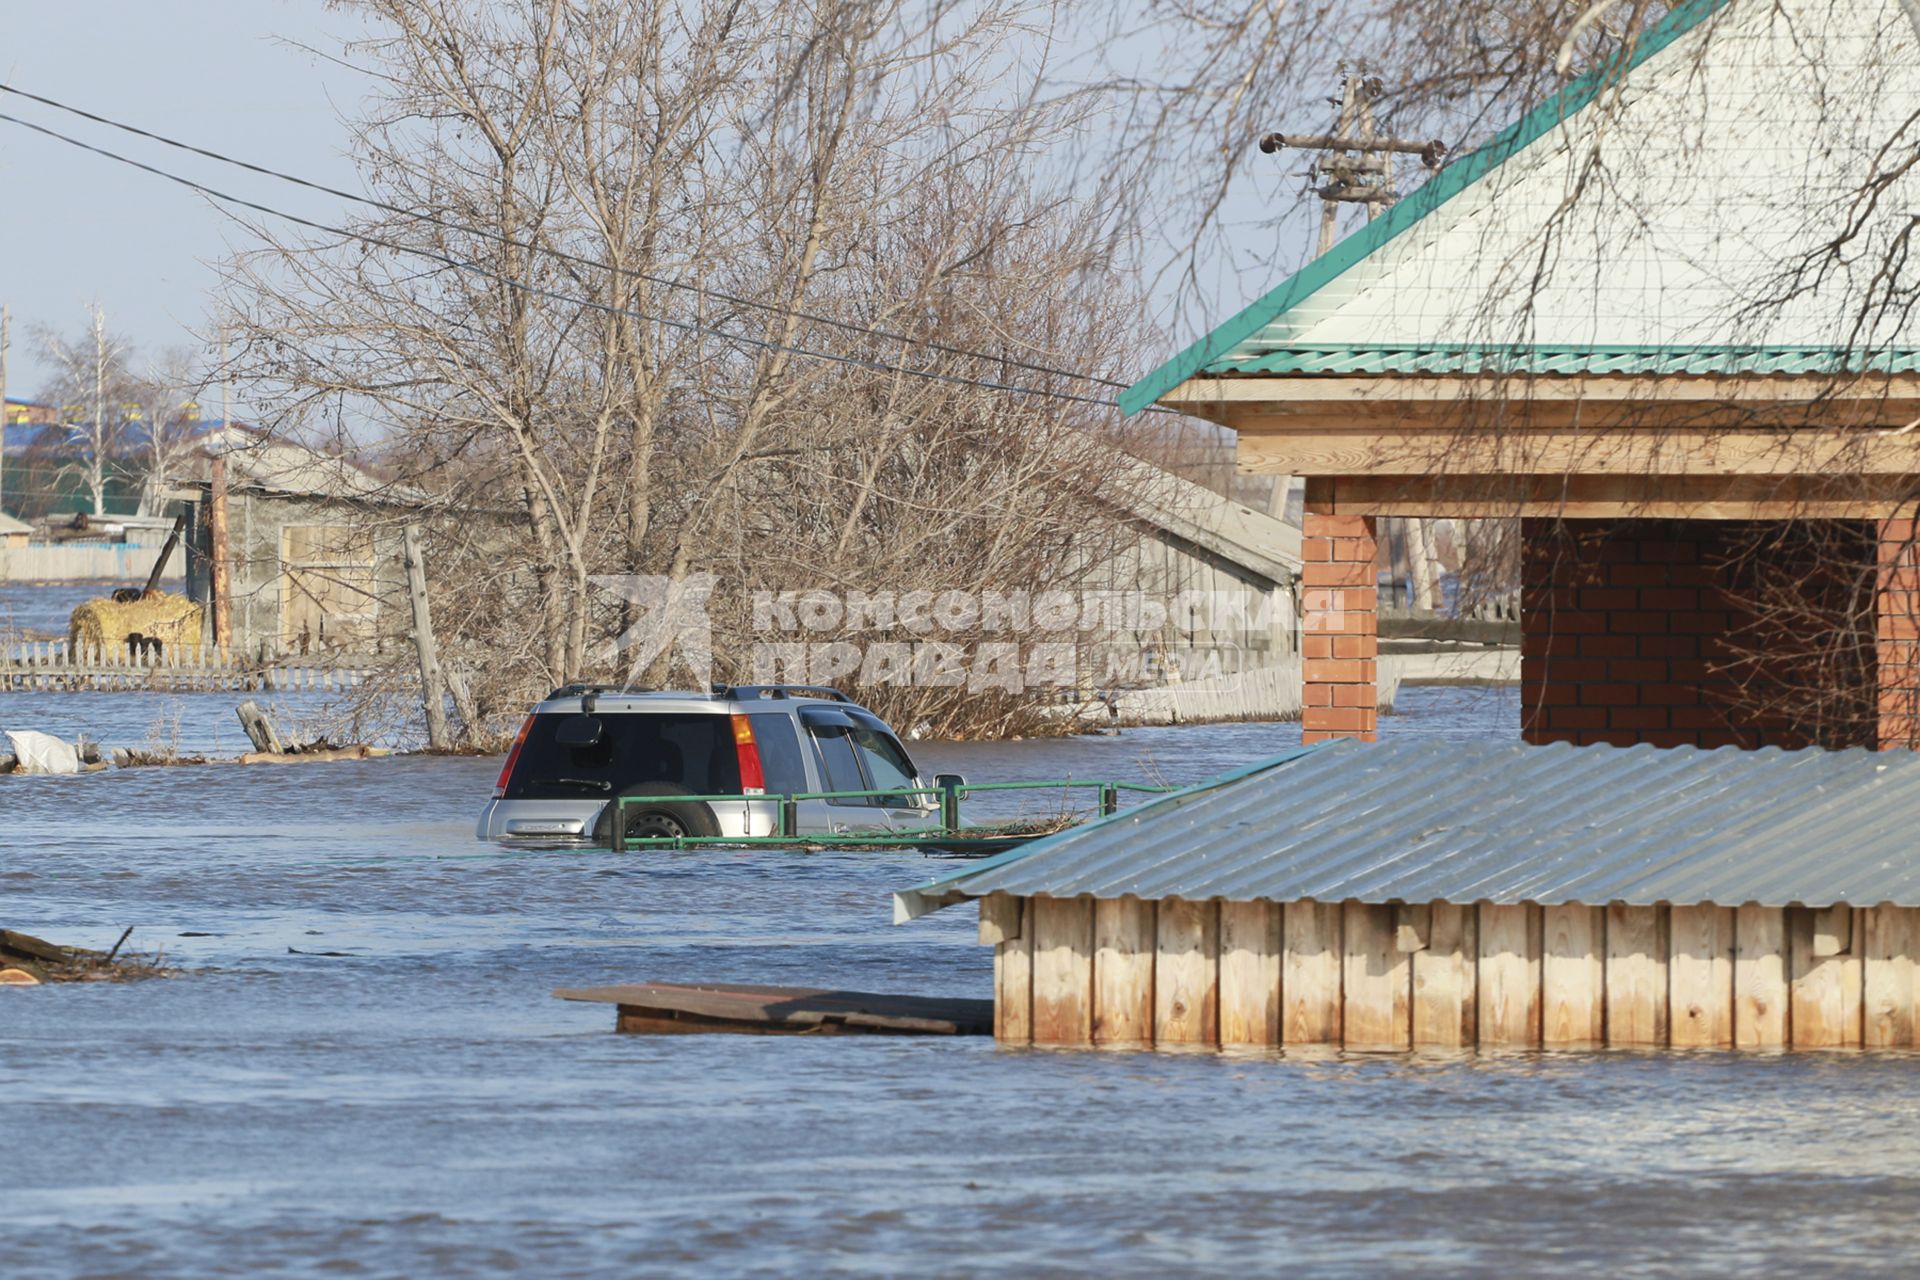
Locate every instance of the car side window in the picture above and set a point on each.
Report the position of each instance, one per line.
(838, 764)
(886, 763)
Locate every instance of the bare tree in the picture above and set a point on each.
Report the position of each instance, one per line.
(701, 289)
(164, 405)
(92, 386)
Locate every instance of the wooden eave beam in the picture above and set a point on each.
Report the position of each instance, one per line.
(1594, 426)
(1617, 497)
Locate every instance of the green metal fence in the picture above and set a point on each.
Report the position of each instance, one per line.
(951, 833)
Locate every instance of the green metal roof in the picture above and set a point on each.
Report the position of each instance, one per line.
(1449, 182)
(1466, 357)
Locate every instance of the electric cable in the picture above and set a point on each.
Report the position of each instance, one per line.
(561, 254)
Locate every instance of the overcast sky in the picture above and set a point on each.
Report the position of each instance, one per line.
(75, 228)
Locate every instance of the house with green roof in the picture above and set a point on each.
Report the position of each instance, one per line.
(1666, 322)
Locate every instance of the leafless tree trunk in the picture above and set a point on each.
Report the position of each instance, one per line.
(162, 395)
(92, 384)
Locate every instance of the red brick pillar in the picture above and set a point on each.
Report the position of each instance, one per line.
(1339, 627)
(1897, 634)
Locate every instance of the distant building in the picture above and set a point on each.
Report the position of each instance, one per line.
(313, 542)
(27, 413)
(43, 484)
(13, 533)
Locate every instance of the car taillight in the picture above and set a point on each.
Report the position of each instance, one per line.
(753, 780)
(513, 758)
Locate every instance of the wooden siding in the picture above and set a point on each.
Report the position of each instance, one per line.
(1446, 976)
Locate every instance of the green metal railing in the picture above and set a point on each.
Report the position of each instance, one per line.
(950, 833)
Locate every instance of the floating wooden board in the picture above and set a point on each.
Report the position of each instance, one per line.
(674, 1008)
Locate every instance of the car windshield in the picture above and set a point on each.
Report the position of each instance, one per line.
(692, 751)
(886, 761)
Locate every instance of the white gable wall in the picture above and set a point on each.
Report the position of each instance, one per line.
(1667, 211)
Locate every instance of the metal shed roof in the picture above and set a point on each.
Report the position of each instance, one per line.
(1506, 823)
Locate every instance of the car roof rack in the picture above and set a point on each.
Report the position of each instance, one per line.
(577, 688)
(749, 691)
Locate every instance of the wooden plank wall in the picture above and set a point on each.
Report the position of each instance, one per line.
(1394, 976)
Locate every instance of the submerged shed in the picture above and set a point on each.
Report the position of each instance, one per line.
(1443, 894)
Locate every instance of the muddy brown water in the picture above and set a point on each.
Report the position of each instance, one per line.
(420, 1106)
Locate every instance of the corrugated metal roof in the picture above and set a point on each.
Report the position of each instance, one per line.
(1462, 822)
(1544, 361)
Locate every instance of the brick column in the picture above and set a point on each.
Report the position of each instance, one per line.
(1339, 627)
(1896, 609)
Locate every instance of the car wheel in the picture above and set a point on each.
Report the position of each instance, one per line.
(653, 824)
(662, 815)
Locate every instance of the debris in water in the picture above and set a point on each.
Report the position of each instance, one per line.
(36, 752)
(676, 1008)
(36, 960)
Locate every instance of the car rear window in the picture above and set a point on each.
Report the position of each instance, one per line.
(691, 751)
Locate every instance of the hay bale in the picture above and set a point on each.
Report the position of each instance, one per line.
(173, 622)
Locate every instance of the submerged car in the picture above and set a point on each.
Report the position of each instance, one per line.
(589, 758)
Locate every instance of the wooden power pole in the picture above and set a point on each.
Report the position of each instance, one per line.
(433, 683)
(6, 341)
(220, 588)
(1355, 166)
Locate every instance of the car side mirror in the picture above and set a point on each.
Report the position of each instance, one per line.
(946, 798)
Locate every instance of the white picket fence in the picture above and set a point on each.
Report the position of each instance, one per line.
(1264, 693)
(58, 665)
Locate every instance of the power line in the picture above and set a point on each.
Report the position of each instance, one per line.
(563, 255)
(462, 264)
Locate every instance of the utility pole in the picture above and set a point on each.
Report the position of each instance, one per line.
(97, 474)
(433, 684)
(6, 340)
(1355, 166)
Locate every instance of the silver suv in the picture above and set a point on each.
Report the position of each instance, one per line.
(584, 749)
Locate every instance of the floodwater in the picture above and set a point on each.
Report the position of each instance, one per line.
(40, 610)
(362, 1072)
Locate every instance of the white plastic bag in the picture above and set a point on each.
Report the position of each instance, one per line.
(43, 753)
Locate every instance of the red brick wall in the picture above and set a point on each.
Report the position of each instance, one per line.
(1697, 632)
(1897, 630)
(1339, 627)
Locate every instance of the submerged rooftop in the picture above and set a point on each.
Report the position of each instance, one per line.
(1465, 822)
